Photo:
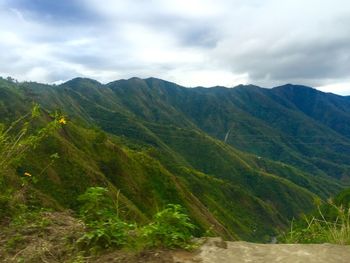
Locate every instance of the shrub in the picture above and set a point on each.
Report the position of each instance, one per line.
(96, 204)
(100, 214)
(104, 234)
(170, 228)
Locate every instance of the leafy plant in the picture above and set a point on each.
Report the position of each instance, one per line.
(110, 233)
(100, 214)
(96, 204)
(170, 228)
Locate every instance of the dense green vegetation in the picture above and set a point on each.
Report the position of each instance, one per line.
(152, 143)
(170, 228)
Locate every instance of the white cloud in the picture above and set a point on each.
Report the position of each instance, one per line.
(206, 77)
(341, 88)
(193, 42)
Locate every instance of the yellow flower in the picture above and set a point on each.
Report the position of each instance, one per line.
(27, 174)
(62, 120)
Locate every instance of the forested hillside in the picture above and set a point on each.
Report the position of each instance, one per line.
(243, 161)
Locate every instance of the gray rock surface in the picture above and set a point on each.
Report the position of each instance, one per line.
(215, 250)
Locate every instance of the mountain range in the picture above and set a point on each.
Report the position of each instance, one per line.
(243, 161)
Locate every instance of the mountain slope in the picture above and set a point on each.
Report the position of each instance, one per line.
(141, 112)
(159, 143)
(331, 110)
(250, 118)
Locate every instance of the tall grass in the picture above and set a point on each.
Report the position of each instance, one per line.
(332, 226)
(21, 135)
(338, 232)
(16, 140)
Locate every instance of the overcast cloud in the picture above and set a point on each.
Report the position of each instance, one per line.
(190, 42)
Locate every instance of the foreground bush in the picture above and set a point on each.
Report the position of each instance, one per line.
(105, 228)
(170, 228)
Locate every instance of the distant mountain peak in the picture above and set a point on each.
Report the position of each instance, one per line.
(80, 81)
(294, 87)
(247, 86)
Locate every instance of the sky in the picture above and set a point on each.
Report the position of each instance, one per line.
(190, 42)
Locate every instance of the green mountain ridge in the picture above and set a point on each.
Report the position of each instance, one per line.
(244, 160)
